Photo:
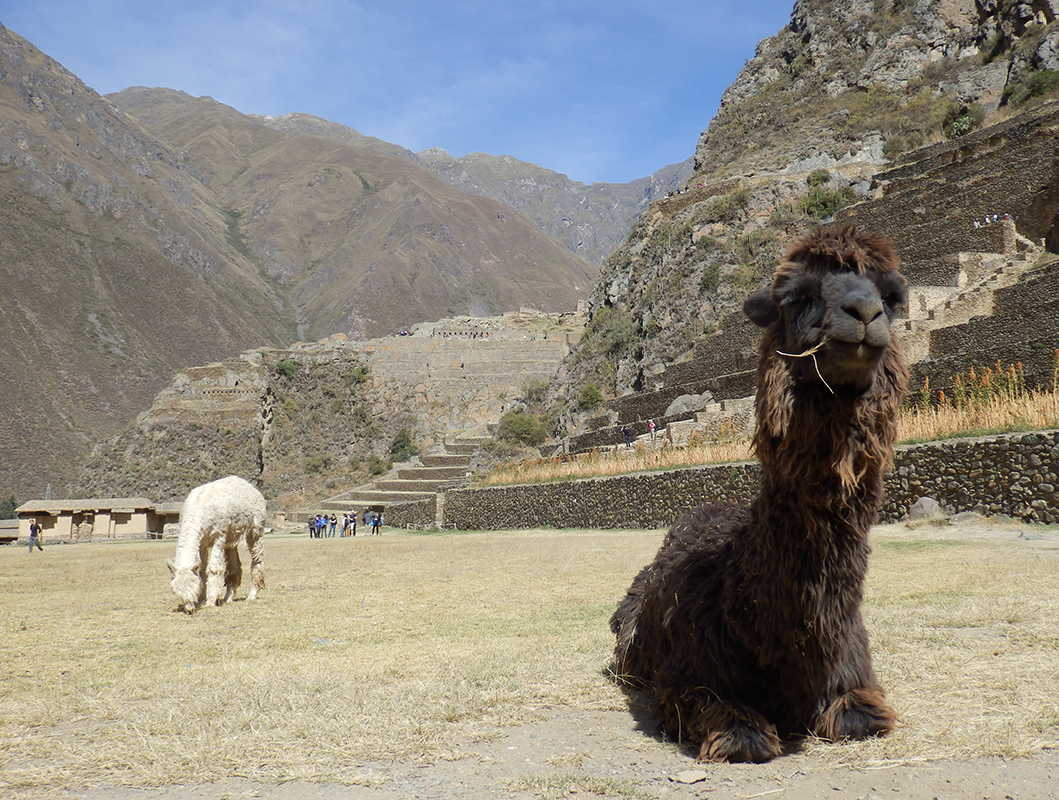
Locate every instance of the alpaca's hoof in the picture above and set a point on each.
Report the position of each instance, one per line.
(741, 743)
(859, 714)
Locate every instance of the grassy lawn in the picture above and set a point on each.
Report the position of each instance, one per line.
(402, 646)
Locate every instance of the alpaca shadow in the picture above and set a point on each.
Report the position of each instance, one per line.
(643, 708)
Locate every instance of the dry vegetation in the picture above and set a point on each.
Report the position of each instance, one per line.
(403, 646)
(989, 401)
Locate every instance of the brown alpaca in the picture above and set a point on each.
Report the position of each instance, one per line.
(747, 627)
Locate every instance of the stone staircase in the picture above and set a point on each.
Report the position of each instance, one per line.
(979, 277)
(413, 483)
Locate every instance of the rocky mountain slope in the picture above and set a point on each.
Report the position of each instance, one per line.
(834, 97)
(114, 266)
(590, 220)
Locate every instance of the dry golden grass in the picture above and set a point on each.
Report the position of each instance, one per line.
(618, 461)
(1025, 411)
(402, 646)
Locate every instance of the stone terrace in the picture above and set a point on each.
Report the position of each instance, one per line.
(977, 293)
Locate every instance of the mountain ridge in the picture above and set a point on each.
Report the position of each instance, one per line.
(589, 219)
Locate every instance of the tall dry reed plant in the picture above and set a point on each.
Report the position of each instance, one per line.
(722, 445)
(990, 401)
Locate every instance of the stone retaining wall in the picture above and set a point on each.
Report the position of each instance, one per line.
(1015, 474)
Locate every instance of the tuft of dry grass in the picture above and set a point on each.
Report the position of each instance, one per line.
(405, 646)
(993, 401)
(1025, 412)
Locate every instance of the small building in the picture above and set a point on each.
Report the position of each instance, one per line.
(95, 519)
(8, 531)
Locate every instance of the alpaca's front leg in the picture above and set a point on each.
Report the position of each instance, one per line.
(733, 732)
(257, 565)
(858, 714)
(233, 573)
(216, 572)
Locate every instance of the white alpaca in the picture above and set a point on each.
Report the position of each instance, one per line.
(214, 517)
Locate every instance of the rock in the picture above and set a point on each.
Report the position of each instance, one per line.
(690, 776)
(925, 508)
(687, 403)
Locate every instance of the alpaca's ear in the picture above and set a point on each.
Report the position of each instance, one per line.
(759, 308)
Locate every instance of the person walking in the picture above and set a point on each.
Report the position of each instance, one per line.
(626, 436)
(34, 535)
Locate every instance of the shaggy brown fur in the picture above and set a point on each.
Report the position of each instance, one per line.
(746, 627)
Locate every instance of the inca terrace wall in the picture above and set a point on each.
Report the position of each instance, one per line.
(1014, 475)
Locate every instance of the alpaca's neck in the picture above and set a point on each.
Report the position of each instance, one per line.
(829, 458)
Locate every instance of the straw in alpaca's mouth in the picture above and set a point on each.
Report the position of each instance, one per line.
(811, 353)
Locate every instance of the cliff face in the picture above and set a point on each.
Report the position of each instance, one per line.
(842, 76)
(836, 96)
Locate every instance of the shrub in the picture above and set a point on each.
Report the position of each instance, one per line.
(7, 507)
(403, 447)
(317, 464)
(961, 121)
(287, 368)
(534, 390)
(818, 177)
(520, 427)
(822, 203)
(377, 466)
(590, 397)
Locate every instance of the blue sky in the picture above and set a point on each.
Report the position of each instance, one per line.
(602, 91)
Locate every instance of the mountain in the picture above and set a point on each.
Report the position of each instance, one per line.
(590, 220)
(115, 268)
(842, 92)
(152, 232)
(363, 241)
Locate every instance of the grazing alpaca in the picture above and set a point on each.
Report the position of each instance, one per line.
(747, 627)
(213, 519)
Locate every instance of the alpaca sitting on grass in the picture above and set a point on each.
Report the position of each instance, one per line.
(747, 627)
(213, 519)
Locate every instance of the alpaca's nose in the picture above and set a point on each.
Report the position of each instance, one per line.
(863, 308)
(859, 317)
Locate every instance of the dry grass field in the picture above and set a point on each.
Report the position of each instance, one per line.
(406, 647)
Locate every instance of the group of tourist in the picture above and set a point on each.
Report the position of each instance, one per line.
(990, 219)
(322, 526)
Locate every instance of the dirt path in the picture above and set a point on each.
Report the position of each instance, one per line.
(582, 753)
(601, 753)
